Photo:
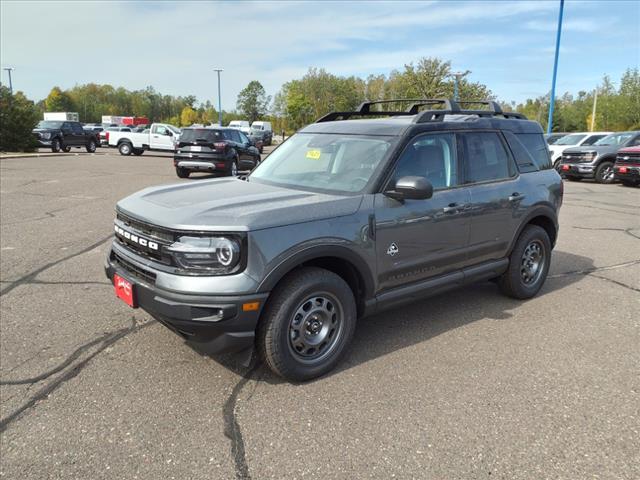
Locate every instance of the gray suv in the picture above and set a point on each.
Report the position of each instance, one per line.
(346, 218)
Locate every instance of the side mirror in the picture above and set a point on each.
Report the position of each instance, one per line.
(411, 188)
(169, 133)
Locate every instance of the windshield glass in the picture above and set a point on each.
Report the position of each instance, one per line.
(615, 139)
(201, 135)
(325, 162)
(173, 129)
(49, 124)
(570, 140)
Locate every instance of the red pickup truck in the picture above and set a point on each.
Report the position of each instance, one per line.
(627, 166)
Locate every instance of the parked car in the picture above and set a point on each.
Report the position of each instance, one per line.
(265, 129)
(257, 138)
(104, 134)
(346, 218)
(627, 166)
(160, 137)
(596, 161)
(61, 135)
(214, 149)
(552, 138)
(573, 140)
(241, 125)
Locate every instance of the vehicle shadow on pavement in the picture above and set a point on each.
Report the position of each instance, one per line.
(417, 322)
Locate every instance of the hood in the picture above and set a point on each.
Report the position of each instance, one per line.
(230, 204)
(598, 149)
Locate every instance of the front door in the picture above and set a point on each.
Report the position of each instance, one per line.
(418, 239)
(161, 138)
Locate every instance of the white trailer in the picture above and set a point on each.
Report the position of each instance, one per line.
(112, 119)
(64, 116)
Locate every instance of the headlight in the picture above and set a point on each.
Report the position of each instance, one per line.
(46, 135)
(206, 254)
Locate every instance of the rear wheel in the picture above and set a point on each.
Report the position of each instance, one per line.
(182, 172)
(307, 324)
(125, 148)
(91, 146)
(604, 173)
(528, 264)
(138, 151)
(233, 168)
(55, 145)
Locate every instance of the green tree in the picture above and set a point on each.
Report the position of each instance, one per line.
(188, 116)
(18, 116)
(58, 101)
(253, 102)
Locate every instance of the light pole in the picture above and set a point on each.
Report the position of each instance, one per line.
(456, 83)
(555, 69)
(219, 97)
(9, 70)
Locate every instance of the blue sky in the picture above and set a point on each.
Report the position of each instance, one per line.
(174, 45)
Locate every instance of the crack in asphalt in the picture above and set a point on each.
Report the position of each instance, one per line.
(107, 341)
(232, 428)
(628, 231)
(588, 271)
(616, 282)
(29, 277)
(603, 209)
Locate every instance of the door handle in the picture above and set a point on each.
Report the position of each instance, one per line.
(454, 207)
(515, 196)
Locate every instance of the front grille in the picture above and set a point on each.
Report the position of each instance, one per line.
(37, 135)
(158, 233)
(137, 272)
(135, 232)
(628, 159)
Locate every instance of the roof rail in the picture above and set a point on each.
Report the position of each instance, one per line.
(450, 107)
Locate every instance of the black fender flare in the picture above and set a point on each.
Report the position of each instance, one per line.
(306, 254)
(541, 210)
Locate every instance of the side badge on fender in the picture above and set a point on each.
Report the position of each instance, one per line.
(392, 250)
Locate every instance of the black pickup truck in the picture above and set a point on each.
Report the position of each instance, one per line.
(59, 135)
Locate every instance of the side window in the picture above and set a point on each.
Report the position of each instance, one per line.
(537, 147)
(432, 156)
(593, 139)
(243, 138)
(486, 158)
(235, 136)
(635, 142)
(160, 130)
(66, 127)
(77, 129)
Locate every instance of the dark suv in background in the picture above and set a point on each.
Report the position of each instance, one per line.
(346, 218)
(214, 150)
(596, 161)
(61, 135)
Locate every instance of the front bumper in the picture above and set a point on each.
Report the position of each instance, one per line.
(631, 173)
(583, 170)
(214, 323)
(43, 143)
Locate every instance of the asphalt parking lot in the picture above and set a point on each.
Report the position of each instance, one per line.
(468, 384)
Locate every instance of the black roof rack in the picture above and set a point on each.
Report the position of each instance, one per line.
(450, 107)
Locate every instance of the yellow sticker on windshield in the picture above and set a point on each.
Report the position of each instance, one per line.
(314, 154)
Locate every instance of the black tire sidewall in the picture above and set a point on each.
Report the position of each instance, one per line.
(182, 172)
(303, 284)
(511, 282)
(599, 170)
(91, 146)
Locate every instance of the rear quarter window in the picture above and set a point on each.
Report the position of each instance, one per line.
(537, 148)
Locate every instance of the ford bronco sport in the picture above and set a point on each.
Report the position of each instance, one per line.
(346, 218)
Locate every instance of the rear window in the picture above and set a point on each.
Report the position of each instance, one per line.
(537, 148)
(201, 134)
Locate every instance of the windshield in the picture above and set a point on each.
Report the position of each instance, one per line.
(173, 129)
(570, 140)
(49, 124)
(615, 139)
(325, 162)
(201, 135)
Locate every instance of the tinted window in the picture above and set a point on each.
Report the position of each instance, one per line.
(433, 157)
(635, 142)
(535, 145)
(570, 139)
(201, 134)
(77, 129)
(486, 158)
(243, 138)
(593, 139)
(235, 136)
(49, 124)
(616, 139)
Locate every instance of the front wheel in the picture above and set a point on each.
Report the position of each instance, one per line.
(630, 183)
(528, 264)
(307, 324)
(182, 172)
(91, 146)
(233, 168)
(55, 145)
(604, 173)
(66, 148)
(125, 149)
(138, 151)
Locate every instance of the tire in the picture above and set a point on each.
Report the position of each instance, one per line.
(125, 148)
(56, 146)
(307, 324)
(573, 179)
(604, 173)
(522, 280)
(91, 146)
(138, 151)
(66, 148)
(629, 183)
(182, 172)
(233, 168)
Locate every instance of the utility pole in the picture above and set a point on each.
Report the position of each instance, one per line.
(219, 96)
(9, 70)
(555, 69)
(593, 113)
(456, 83)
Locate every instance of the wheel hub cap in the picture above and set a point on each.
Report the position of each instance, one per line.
(532, 262)
(315, 327)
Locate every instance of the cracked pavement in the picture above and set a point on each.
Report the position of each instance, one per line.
(467, 384)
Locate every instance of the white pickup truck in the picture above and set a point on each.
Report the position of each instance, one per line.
(160, 136)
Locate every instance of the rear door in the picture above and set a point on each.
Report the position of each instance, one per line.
(79, 135)
(496, 194)
(418, 239)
